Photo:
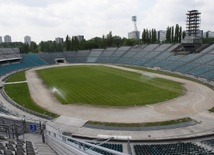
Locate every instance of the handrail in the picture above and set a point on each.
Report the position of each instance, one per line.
(80, 144)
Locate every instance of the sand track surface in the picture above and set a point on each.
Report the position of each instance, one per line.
(196, 99)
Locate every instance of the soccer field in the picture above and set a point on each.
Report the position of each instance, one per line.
(101, 85)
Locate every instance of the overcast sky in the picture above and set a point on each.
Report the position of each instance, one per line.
(47, 19)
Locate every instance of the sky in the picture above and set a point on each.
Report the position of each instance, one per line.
(47, 19)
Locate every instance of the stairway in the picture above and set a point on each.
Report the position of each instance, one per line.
(41, 148)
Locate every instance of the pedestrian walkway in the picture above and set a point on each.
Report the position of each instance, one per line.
(15, 82)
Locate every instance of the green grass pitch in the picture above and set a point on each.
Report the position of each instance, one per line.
(100, 85)
(19, 92)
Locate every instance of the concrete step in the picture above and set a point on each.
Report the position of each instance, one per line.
(44, 149)
(41, 148)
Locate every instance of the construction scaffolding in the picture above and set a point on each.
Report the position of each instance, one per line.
(193, 23)
(192, 43)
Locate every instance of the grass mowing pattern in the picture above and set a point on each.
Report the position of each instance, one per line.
(21, 95)
(170, 74)
(100, 85)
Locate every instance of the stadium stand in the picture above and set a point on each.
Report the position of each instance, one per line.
(116, 147)
(32, 60)
(151, 47)
(27, 60)
(150, 57)
(153, 55)
(118, 54)
(10, 68)
(128, 55)
(94, 55)
(209, 75)
(70, 56)
(51, 58)
(209, 142)
(9, 51)
(163, 47)
(13, 131)
(105, 56)
(137, 57)
(82, 56)
(3, 109)
(199, 65)
(46, 57)
(9, 55)
(177, 148)
(17, 148)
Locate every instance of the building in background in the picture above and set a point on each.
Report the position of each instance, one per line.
(0, 39)
(200, 33)
(161, 35)
(27, 40)
(134, 35)
(59, 40)
(79, 37)
(7, 39)
(209, 34)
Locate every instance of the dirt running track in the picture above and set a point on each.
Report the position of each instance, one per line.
(196, 99)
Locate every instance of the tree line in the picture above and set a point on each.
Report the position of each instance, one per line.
(71, 44)
(149, 36)
(174, 34)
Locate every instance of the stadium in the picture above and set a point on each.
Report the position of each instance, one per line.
(113, 129)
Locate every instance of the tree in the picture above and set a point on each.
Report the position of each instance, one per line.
(149, 36)
(104, 42)
(176, 38)
(144, 36)
(33, 47)
(74, 43)
(172, 34)
(67, 43)
(129, 42)
(117, 41)
(153, 38)
(180, 34)
(42, 46)
(25, 48)
(109, 39)
(168, 34)
(184, 34)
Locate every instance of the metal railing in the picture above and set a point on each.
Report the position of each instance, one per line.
(69, 144)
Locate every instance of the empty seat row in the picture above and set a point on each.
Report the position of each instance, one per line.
(17, 148)
(168, 149)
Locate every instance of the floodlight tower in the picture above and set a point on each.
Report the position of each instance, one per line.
(134, 20)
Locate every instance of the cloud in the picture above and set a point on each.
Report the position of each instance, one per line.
(34, 3)
(47, 19)
(170, 12)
